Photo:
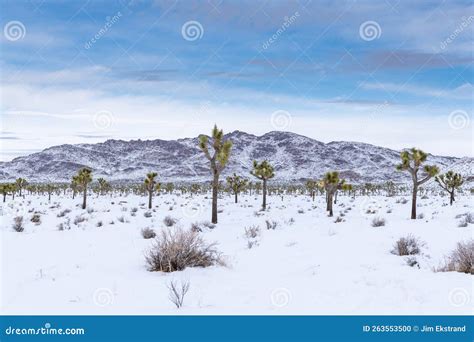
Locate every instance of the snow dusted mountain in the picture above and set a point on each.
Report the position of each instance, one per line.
(295, 158)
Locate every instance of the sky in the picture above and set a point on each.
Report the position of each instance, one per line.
(390, 73)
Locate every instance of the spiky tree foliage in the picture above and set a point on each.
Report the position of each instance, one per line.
(312, 187)
(82, 180)
(331, 183)
(218, 161)
(449, 182)
(237, 184)
(412, 161)
(75, 187)
(264, 172)
(151, 186)
(21, 183)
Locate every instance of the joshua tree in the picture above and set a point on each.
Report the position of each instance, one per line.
(312, 187)
(104, 186)
(50, 188)
(21, 183)
(411, 162)
(82, 179)
(264, 172)
(236, 184)
(450, 181)
(169, 187)
(218, 161)
(331, 184)
(6, 189)
(151, 186)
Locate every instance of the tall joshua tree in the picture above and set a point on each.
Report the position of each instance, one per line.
(450, 181)
(331, 183)
(151, 186)
(82, 179)
(6, 189)
(218, 161)
(412, 161)
(21, 183)
(237, 184)
(104, 186)
(312, 187)
(264, 172)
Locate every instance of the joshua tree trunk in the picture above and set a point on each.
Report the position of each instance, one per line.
(49, 196)
(235, 197)
(4, 197)
(451, 197)
(335, 198)
(313, 194)
(150, 194)
(413, 202)
(215, 186)
(264, 204)
(84, 197)
(329, 205)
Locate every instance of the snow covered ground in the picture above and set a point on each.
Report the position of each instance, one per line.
(309, 264)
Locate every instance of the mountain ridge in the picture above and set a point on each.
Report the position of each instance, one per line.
(294, 156)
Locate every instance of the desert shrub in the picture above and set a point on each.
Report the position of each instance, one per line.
(424, 197)
(402, 201)
(79, 219)
(300, 211)
(412, 262)
(148, 233)
(378, 222)
(461, 259)
(408, 245)
(64, 212)
(338, 219)
(420, 216)
(290, 221)
(90, 210)
(36, 218)
(389, 210)
(147, 214)
(271, 225)
(370, 211)
(18, 224)
(466, 219)
(208, 224)
(121, 219)
(99, 224)
(177, 292)
(174, 250)
(169, 221)
(252, 232)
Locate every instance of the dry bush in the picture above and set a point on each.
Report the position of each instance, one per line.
(18, 224)
(64, 212)
(79, 219)
(252, 232)
(169, 221)
(36, 218)
(174, 250)
(378, 222)
(408, 245)
(338, 219)
(461, 259)
(271, 225)
(148, 233)
(147, 214)
(177, 293)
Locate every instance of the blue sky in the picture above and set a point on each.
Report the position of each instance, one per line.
(391, 73)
